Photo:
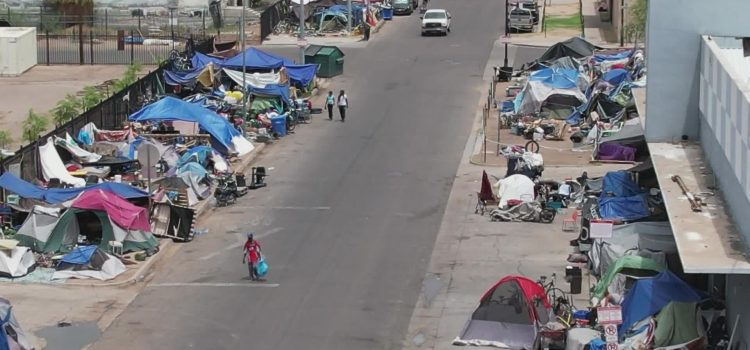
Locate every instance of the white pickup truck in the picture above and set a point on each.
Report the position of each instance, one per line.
(436, 21)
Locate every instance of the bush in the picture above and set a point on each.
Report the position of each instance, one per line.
(5, 138)
(66, 110)
(34, 125)
(91, 97)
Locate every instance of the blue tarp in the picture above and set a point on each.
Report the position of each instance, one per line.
(256, 59)
(619, 184)
(275, 90)
(343, 10)
(623, 208)
(612, 57)
(24, 189)
(649, 295)
(80, 255)
(182, 78)
(616, 76)
(170, 108)
(200, 60)
(301, 74)
(559, 78)
(194, 169)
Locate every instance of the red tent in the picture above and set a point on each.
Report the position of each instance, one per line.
(122, 212)
(509, 315)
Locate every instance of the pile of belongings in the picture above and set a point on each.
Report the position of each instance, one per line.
(85, 262)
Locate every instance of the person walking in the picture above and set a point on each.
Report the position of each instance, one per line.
(343, 102)
(330, 104)
(251, 256)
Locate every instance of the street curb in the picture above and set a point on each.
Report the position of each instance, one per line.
(201, 209)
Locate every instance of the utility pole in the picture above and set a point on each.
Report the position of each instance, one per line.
(349, 16)
(507, 33)
(301, 42)
(622, 23)
(244, 69)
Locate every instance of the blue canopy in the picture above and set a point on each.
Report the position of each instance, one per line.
(80, 255)
(301, 74)
(256, 59)
(616, 76)
(649, 296)
(619, 184)
(275, 90)
(623, 208)
(170, 108)
(24, 189)
(200, 60)
(182, 78)
(613, 57)
(560, 78)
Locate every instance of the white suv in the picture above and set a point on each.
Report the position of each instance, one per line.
(436, 21)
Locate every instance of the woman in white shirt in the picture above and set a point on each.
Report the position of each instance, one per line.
(343, 103)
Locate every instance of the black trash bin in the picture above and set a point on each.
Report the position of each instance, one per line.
(574, 276)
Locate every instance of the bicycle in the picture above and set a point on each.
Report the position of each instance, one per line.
(291, 122)
(562, 308)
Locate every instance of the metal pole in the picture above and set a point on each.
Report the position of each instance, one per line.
(244, 83)
(148, 175)
(622, 23)
(349, 16)
(301, 32)
(507, 30)
(171, 24)
(106, 22)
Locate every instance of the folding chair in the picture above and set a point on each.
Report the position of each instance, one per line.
(485, 196)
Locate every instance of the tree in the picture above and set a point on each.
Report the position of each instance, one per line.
(34, 125)
(66, 110)
(130, 77)
(636, 27)
(91, 97)
(5, 138)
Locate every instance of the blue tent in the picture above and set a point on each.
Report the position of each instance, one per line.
(24, 189)
(80, 255)
(182, 78)
(559, 78)
(197, 154)
(612, 57)
(616, 76)
(256, 59)
(199, 60)
(619, 184)
(624, 208)
(649, 296)
(170, 108)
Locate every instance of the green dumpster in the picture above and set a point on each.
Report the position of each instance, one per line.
(330, 60)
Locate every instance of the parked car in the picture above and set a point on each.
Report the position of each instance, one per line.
(531, 6)
(521, 20)
(436, 21)
(402, 7)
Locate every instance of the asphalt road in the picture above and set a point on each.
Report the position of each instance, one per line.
(350, 215)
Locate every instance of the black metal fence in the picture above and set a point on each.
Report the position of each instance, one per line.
(108, 115)
(91, 48)
(271, 17)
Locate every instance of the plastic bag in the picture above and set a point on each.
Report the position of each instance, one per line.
(261, 269)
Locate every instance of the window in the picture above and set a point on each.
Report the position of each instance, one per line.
(435, 15)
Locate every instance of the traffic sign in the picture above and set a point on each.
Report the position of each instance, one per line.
(610, 332)
(302, 43)
(613, 346)
(609, 315)
(505, 39)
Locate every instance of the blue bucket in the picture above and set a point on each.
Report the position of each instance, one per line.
(278, 125)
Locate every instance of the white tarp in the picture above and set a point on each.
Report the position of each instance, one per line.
(515, 187)
(110, 269)
(78, 153)
(53, 167)
(536, 92)
(16, 261)
(639, 238)
(258, 80)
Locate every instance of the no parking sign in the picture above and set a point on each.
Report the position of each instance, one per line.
(610, 317)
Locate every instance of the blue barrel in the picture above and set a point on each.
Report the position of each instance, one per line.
(387, 13)
(278, 125)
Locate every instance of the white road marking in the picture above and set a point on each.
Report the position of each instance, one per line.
(240, 241)
(188, 284)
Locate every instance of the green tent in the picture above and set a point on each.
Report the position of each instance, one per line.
(630, 264)
(62, 235)
(676, 324)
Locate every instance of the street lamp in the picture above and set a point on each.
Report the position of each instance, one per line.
(504, 71)
(244, 69)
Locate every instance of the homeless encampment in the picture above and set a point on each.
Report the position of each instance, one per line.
(629, 265)
(509, 315)
(12, 336)
(575, 47)
(98, 215)
(552, 89)
(24, 189)
(88, 262)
